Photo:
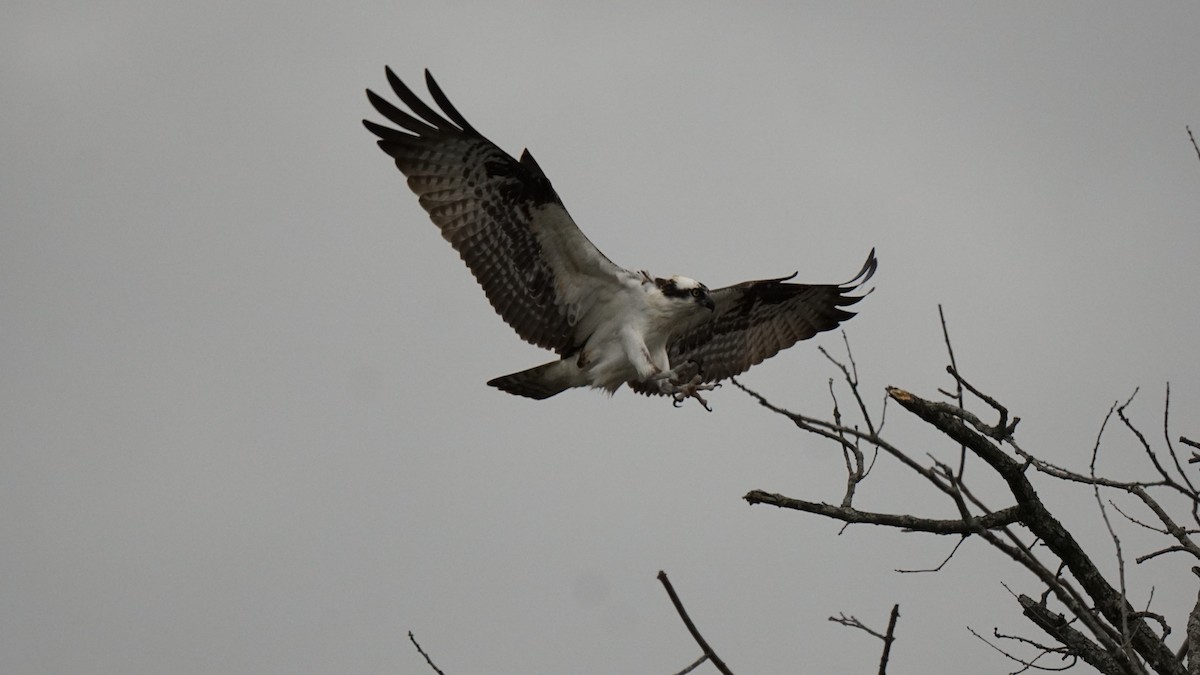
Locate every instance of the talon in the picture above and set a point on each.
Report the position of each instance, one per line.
(692, 391)
(681, 392)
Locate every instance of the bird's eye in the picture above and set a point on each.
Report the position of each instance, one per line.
(696, 292)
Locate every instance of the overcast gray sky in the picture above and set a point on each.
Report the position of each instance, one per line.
(243, 418)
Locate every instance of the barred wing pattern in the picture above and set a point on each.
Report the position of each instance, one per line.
(501, 215)
(755, 320)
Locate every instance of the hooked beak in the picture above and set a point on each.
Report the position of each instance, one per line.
(708, 302)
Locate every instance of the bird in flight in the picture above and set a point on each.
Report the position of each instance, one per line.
(670, 336)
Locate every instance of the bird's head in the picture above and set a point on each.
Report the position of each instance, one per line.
(684, 289)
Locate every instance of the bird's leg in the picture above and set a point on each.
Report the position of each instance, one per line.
(681, 375)
(682, 382)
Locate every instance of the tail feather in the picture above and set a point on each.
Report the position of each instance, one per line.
(538, 382)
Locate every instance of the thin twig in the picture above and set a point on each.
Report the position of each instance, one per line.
(941, 564)
(1124, 623)
(837, 435)
(1026, 665)
(854, 467)
(695, 664)
(420, 651)
(888, 637)
(1191, 489)
(1142, 438)
(1003, 430)
(851, 376)
(853, 622)
(1135, 521)
(958, 392)
(687, 621)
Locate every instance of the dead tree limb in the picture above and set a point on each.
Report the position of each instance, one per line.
(1092, 619)
(413, 640)
(687, 621)
(888, 636)
(1038, 519)
(906, 522)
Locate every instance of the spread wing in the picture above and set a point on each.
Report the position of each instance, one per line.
(503, 217)
(755, 320)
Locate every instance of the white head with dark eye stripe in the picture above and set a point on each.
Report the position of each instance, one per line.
(684, 288)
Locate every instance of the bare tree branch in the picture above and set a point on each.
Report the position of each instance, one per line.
(1138, 489)
(1111, 604)
(1036, 518)
(1003, 430)
(940, 565)
(687, 621)
(888, 637)
(1028, 664)
(828, 430)
(903, 521)
(1117, 631)
(1192, 644)
(694, 665)
(1167, 437)
(853, 622)
(420, 651)
(1154, 554)
(1124, 624)
(851, 376)
(958, 388)
(1057, 626)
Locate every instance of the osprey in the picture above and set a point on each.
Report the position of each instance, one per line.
(609, 326)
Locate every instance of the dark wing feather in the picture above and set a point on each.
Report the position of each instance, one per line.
(501, 215)
(757, 319)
